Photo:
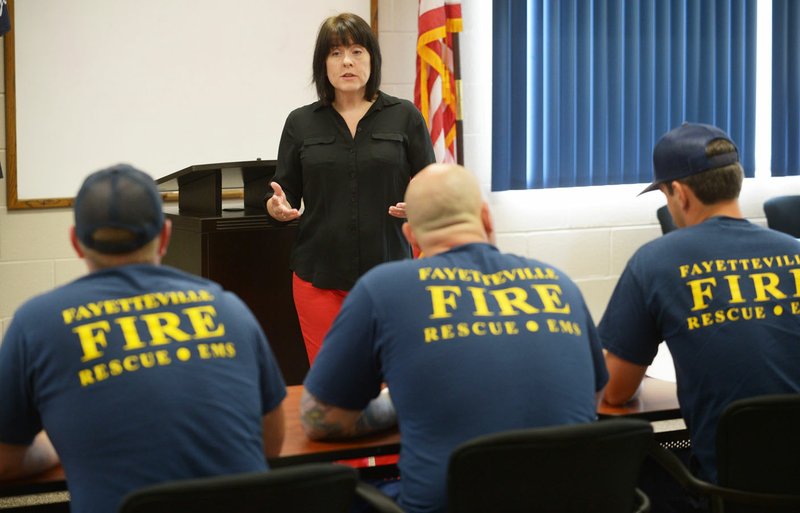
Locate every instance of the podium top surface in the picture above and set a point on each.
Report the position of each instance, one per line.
(231, 174)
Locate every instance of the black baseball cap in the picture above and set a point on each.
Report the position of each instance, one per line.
(681, 152)
(120, 197)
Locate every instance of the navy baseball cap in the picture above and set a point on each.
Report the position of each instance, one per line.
(681, 152)
(120, 197)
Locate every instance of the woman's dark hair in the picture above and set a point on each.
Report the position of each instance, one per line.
(345, 29)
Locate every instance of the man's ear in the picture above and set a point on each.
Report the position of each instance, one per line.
(166, 235)
(683, 194)
(74, 240)
(409, 235)
(488, 223)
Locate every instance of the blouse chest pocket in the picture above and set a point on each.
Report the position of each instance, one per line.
(389, 147)
(318, 150)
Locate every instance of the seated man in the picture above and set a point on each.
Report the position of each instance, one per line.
(138, 373)
(469, 341)
(721, 291)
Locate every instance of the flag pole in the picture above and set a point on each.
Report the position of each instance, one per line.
(459, 100)
(373, 16)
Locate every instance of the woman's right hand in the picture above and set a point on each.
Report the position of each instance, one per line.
(278, 206)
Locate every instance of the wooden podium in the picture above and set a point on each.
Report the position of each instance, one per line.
(239, 246)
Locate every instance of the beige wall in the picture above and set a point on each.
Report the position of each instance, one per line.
(588, 232)
(35, 254)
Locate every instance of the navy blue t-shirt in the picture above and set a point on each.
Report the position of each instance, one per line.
(470, 342)
(725, 296)
(139, 374)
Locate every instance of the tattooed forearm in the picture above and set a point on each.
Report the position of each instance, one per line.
(323, 421)
(315, 417)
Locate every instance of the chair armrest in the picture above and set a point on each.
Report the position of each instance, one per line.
(377, 499)
(643, 505)
(667, 460)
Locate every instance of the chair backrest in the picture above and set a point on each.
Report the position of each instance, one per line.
(308, 488)
(758, 445)
(576, 468)
(783, 214)
(665, 220)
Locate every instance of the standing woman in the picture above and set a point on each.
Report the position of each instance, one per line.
(348, 157)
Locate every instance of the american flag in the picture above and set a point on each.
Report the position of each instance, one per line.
(5, 26)
(435, 91)
(5, 21)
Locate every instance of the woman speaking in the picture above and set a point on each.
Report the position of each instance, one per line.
(348, 157)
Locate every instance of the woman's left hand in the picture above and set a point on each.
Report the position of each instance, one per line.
(398, 210)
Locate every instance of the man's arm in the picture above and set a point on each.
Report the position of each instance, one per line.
(26, 460)
(273, 427)
(623, 381)
(322, 421)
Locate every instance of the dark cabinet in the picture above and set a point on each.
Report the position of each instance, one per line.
(242, 249)
(248, 255)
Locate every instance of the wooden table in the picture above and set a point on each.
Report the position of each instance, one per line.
(657, 401)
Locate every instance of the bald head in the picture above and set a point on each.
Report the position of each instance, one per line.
(444, 206)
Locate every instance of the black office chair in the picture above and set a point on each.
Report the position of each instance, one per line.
(783, 214)
(665, 220)
(758, 457)
(310, 488)
(566, 469)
